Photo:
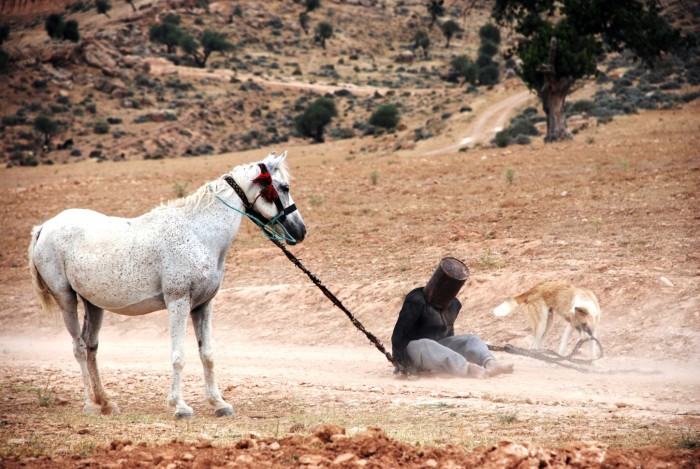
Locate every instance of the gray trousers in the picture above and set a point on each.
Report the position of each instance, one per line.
(450, 355)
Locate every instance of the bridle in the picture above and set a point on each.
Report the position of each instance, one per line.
(267, 192)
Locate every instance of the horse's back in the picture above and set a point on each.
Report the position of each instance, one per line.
(107, 260)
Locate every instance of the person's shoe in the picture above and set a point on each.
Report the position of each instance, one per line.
(495, 367)
(476, 371)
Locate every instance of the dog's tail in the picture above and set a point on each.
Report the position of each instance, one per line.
(506, 307)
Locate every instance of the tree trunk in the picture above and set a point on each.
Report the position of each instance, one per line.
(553, 95)
(553, 99)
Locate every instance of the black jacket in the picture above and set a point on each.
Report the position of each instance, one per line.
(419, 320)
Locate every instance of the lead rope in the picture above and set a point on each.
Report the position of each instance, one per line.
(269, 227)
(372, 338)
(553, 357)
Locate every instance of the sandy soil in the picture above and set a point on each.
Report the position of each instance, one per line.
(615, 211)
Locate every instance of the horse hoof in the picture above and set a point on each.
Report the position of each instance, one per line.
(92, 409)
(184, 415)
(111, 411)
(225, 412)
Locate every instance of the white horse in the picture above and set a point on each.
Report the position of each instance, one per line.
(171, 257)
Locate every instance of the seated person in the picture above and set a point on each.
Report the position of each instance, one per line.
(424, 338)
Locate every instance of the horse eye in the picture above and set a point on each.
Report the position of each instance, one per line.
(284, 188)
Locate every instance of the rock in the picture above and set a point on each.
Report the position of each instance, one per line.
(108, 85)
(666, 281)
(187, 457)
(203, 443)
(133, 61)
(404, 57)
(58, 74)
(98, 58)
(325, 432)
(246, 444)
(343, 458)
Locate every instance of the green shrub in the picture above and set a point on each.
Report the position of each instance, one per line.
(324, 31)
(502, 139)
(488, 49)
(54, 25)
(11, 120)
(385, 116)
(463, 67)
(4, 32)
(484, 60)
(522, 126)
(100, 127)
(522, 140)
(70, 31)
(4, 61)
(318, 114)
(584, 105)
(46, 126)
(490, 32)
(488, 75)
(103, 7)
(449, 29)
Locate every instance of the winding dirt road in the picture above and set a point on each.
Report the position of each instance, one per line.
(488, 122)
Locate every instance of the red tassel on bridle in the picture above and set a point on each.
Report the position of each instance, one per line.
(268, 191)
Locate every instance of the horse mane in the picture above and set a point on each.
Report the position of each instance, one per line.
(194, 200)
(207, 191)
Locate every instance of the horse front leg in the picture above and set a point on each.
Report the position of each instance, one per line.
(91, 330)
(178, 310)
(201, 320)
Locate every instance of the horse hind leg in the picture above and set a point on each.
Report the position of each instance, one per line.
(91, 329)
(201, 320)
(68, 303)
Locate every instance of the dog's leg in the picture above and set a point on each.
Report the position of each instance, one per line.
(593, 346)
(565, 339)
(539, 314)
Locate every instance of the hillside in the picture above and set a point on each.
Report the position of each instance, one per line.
(244, 100)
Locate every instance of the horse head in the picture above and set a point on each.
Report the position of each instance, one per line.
(270, 196)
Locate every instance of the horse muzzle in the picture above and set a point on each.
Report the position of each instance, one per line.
(297, 230)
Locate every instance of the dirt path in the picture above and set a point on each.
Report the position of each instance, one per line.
(488, 122)
(160, 66)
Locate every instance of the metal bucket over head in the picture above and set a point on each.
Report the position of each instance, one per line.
(446, 282)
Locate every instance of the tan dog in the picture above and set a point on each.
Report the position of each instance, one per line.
(578, 306)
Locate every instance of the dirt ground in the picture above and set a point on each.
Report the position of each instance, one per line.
(615, 211)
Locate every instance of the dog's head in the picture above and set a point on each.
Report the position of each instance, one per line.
(585, 314)
(582, 321)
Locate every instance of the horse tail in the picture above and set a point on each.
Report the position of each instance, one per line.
(48, 303)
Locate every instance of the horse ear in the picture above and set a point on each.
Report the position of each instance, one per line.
(272, 161)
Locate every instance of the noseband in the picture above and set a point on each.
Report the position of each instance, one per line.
(267, 192)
